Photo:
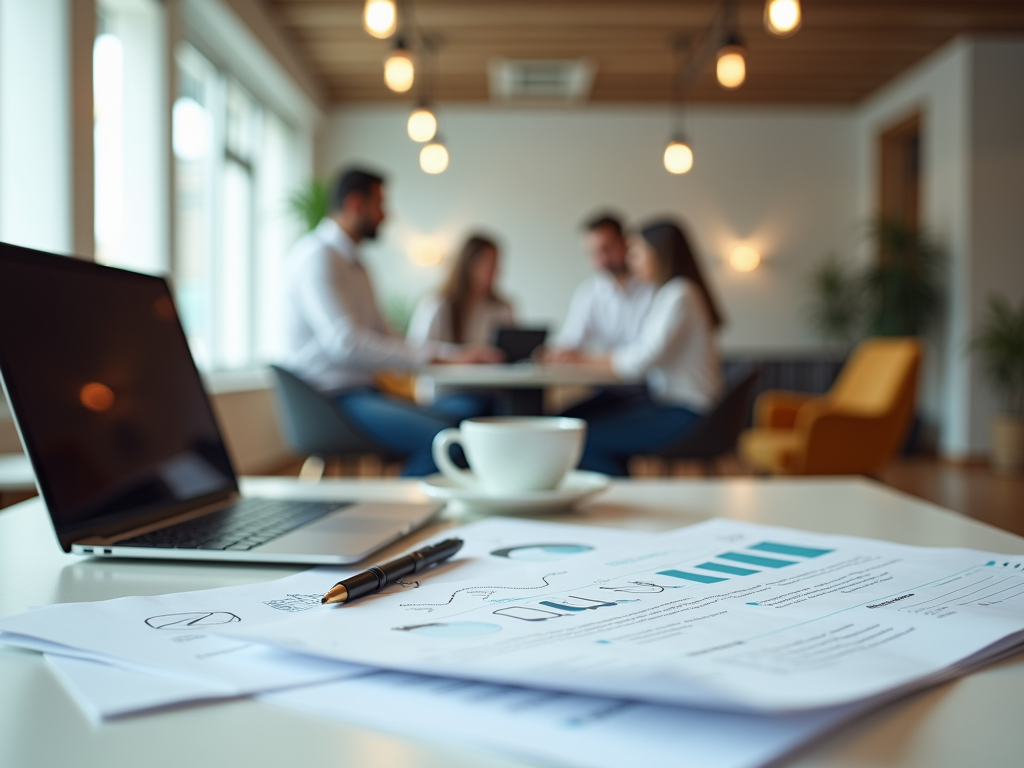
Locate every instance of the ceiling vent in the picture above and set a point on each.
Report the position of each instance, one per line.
(540, 81)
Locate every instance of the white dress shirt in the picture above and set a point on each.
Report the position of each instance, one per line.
(432, 321)
(336, 334)
(604, 315)
(675, 349)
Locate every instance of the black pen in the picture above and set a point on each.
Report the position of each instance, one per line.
(376, 577)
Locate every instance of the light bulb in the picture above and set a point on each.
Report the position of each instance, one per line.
(678, 157)
(782, 17)
(744, 258)
(732, 66)
(422, 125)
(380, 17)
(399, 71)
(434, 157)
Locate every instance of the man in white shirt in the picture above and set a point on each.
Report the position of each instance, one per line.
(338, 338)
(608, 308)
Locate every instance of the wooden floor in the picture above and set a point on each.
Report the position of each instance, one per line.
(973, 490)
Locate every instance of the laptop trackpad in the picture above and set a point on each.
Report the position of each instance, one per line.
(349, 532)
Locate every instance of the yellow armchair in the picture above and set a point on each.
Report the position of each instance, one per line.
(854, 429)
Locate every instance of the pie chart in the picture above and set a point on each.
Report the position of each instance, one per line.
(193, 620)
(541, 552)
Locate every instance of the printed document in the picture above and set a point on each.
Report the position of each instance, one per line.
(559, 729)
(721, 614)
(170, 636)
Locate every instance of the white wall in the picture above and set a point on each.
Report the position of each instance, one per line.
(782, 180)
(997, 200)
(938, 88)
(972, 104)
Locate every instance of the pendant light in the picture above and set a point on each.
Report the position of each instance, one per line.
(782, 18)
(678, 155)
(731, 65)
(380, 18)
(399, 71)
(422, 125)
(434, 157)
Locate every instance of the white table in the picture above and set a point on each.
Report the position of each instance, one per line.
(520, 385)
(972, 721)
(520, 375)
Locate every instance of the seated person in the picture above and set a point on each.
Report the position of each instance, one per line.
(606, 309)
(675, 352)
(338, 337)
(465, 311)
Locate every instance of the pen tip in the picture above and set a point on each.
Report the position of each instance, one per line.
(336, 594)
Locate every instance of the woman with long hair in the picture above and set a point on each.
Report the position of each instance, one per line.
(467, 310)
(675, 354)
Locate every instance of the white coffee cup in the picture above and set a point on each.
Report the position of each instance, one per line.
(512, 454)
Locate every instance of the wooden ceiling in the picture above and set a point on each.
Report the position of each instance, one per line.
(844, 51)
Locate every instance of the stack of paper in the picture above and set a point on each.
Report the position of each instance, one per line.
(739, 642)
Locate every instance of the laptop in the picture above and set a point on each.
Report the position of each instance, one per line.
(126, 450)
(519, 344)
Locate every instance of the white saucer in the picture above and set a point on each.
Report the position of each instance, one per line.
(574, 488)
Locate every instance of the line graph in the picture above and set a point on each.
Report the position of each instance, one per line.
(482, 592)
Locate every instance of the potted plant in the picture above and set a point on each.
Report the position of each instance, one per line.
(837, 300)
(898, 295)
(1000, 343)
(902, 286)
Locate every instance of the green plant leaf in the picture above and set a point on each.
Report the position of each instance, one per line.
(309, 202)
(837, 301)
(1000, 343)
(903, 286)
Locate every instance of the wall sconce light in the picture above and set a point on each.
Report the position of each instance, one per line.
(380, 18)
(434, 157)
(426, 252)
(782, 18)
(399, 71)
(744, 258)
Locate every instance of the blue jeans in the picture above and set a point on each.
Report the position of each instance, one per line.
(464, 405)
(398, 424)
(620, 425)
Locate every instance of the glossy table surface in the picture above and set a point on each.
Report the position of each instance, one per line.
(972, 721)
(519, 375)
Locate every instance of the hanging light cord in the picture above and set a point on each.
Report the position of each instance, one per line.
(722, 25)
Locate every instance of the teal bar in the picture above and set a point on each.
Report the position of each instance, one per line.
(698, 577)
(789, 549)
(764, 562)
(721, 568)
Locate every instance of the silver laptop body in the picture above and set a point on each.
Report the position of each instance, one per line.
(127, 453)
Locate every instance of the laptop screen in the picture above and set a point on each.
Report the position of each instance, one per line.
(106, 395)
(519, 343)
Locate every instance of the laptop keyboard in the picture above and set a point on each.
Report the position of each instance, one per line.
(242, 526)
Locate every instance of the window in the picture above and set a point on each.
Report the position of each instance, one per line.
(235, 163)
(129, 137)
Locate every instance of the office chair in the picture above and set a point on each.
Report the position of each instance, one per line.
(717, 432)
(315, 427)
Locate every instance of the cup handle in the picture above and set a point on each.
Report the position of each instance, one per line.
(443, 440)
